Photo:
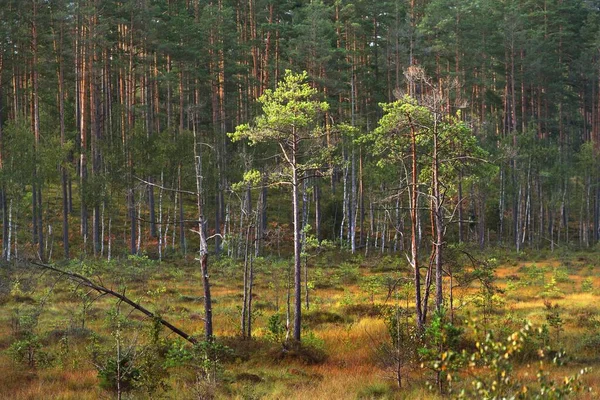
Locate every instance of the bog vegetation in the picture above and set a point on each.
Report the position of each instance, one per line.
(309, 199)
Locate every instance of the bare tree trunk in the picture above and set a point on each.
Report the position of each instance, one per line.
(182, 241)
(203, 251)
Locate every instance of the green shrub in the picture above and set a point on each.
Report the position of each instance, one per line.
(363, 310)
(375, 391)
(552, 291)
(492, 376)
(318, 317)
(587, 285)
(122, 373)
(348, 273)
(534, 275)
(29, 351)
(561, 275)
(178, 354)
(276, 328)
(310, 351)
(440, 350)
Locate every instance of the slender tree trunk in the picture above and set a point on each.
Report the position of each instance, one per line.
(317, 194)
(439, 224)
(182, 241)
(244, 318)
(58, 48)
(414, 248)
(297, 242)
(250, 286)
(203, 252)
(460, 206)
(5, 216)
(37, 196)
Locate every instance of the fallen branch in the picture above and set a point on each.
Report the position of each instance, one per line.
(83, 281)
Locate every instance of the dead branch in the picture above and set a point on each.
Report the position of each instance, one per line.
(83, 281)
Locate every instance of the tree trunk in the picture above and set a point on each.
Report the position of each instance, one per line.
(414, 249)
(297, 242)
(203, 251)
(439, 225)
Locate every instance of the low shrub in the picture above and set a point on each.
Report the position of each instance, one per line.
(375, 391)
(587, 285)
(303, 352)
(363, 310)
(318, 317)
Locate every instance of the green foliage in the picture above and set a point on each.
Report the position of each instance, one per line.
(534, 274)
(310, 351)
(488, 297)
(587, 285)
(371, 285)
(208, 357)
(553, 318)
(551, 290)
(319, 317)
(122, 370)
(348, 273)
(27, 348)
(491, 371)
(440, 351)
(288, 110)
(29, 351)
(312, 341)
(375, 391)
(276, 328)
(178, 354)
(561, 275)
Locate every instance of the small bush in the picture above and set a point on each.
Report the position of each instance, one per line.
(276, 328)
(551, 291)
(264, 305)
(387, 264)
(29, 351)
(375, 391)
(587, 285)
(348, 273)
(309, 351)
(561, 275)
(534, 275)
(318, 317)
(248, 377)
(590, 343)
(123, 371)
(363, 310)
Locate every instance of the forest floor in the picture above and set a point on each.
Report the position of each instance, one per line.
(55, 336)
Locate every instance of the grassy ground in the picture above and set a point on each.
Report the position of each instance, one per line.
(343, 322)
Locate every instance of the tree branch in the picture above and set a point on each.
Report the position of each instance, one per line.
(83, 281)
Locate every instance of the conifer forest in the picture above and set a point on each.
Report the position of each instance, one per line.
(300, 199)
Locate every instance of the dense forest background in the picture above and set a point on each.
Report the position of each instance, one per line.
(102, 104)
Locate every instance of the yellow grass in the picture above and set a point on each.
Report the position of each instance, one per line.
(350, 367)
